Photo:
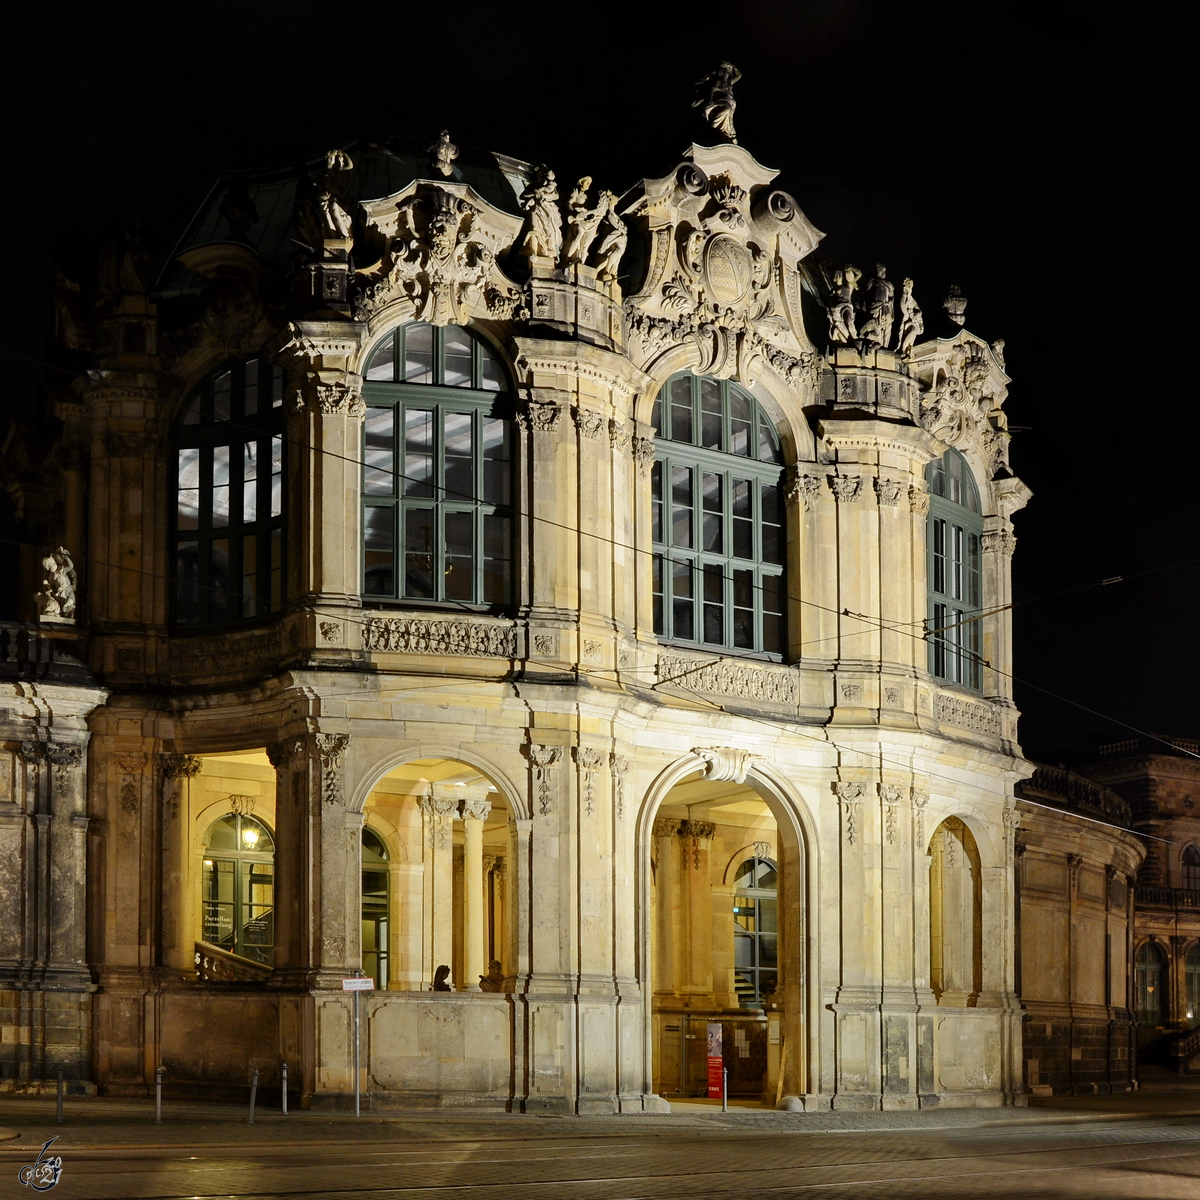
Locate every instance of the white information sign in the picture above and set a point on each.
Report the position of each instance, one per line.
(359, 983)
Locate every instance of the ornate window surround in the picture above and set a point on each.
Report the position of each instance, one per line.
(954, 578)
(228, 518)
(438, 480)
(718, 520)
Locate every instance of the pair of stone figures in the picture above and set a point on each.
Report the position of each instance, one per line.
(491, 982)
(877, 307)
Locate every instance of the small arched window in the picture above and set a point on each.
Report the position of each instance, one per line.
(228, 519)
(1191, 869)
(955, 530)
(437, 469)
(239, 887)
(717, 518)
(755, 932)
(375, 905)
(1150, 984)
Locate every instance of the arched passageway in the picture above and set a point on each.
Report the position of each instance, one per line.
(719, 951)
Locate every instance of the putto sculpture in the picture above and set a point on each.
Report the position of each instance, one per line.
(442, 153)
(842, 327)
(714, 96)
(56, 600)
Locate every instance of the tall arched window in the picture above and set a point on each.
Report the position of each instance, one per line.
(955, 915)
(1150, 984)
(437, 469)
(1191, 868)
(755, 932)
(239, 887)
(955, 587)
(375, 902)
(1191, 979)
(228, 517)
(717, 518)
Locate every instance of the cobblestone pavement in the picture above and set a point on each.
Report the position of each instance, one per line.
(1145, 1146)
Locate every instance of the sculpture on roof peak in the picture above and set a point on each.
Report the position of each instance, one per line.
(912, 321)
(581, 223)
(714, 96)
(443, 152)
(879, 308)
(841, 305)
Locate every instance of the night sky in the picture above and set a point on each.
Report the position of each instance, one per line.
(1039, 165)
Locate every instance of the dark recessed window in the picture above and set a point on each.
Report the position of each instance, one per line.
(717, 518)
(954, 533)
(228, 517)
(437, 470)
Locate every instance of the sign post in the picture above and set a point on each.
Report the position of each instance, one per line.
(716, 1062)
(357, 984)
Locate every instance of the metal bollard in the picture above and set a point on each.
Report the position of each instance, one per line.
(58, 1106)
(283, 1086)
(158, 1074)
(253, 1094)
(724, 1089)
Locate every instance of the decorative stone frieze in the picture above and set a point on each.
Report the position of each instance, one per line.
(242, 655)
(417, 635)
(725, 677)
(978, 718)
(589, 761)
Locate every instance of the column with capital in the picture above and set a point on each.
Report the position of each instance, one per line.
(178, 932)
(475, 807)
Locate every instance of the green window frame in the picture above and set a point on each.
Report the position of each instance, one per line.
(228, 515)
(718, 524)
(438, 522)
(755, 932)
(238, 888)
(954, 534)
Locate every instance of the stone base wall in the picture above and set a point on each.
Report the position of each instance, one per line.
(41, 1033)
(1074, 1056)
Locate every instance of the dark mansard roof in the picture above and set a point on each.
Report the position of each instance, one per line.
(382, 166)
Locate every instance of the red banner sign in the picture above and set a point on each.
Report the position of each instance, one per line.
(716, 1060)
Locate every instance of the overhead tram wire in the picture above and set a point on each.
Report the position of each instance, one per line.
(877, 622)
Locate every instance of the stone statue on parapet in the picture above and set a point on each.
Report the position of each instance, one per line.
(441, 980)
(879, 308)
(582, 222)
(56, 600)
(841, 305)
(912, 322)
(336, 219)
(714, 96)
(539, 202)
(612, 244)
(493, 981)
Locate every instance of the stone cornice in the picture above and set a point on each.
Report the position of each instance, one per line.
(582, 361)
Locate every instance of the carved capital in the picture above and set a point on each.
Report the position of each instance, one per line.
(63, 755)
(918, 499)
(618, 434)
(539, 416)
(725, 763)
(665, 827)
(847, 488)
(130, 762)
(476, 809)
(281, 754)
(643, 453)
(180, 766)
(804, 489)
(889, 491)
(32, 752)
(589, 422)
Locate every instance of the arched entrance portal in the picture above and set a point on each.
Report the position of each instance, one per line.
(718, 950)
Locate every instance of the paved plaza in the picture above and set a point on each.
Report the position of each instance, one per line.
(1145, 1145)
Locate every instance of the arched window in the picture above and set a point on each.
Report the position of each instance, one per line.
(1150, 984)
(1191, 869)
(228, 517)
(955, 589)
(1191, 978)
(375, 903)
(955, 915)
(437, 469)
(239, 887)
(755, 932)
(717, 518)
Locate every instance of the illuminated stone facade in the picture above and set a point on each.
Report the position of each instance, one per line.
(558, 800)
